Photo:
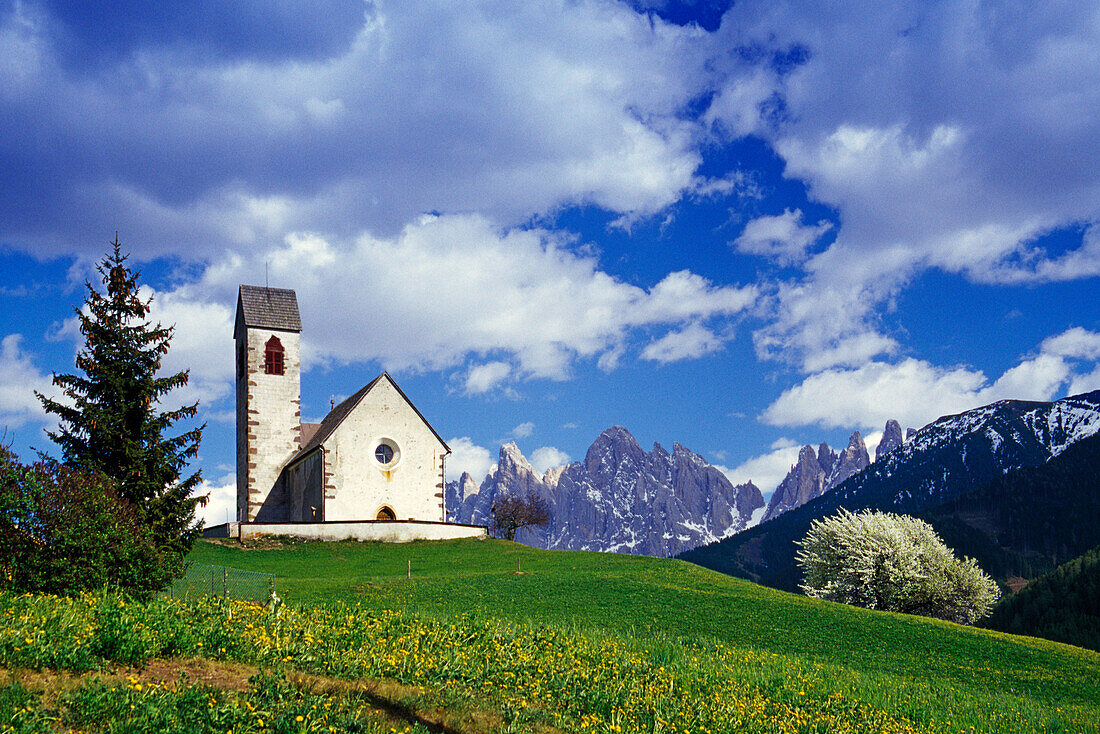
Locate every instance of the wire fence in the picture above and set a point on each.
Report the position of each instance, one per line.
(229, 583)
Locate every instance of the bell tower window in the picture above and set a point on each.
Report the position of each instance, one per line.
(273, 356)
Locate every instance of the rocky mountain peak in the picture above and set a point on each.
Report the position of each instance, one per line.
(618, 499)
(815, 473)
(683, 454)
(851, 460)
(553, 474)
(826, 457)
(891, 439)
(511, 460)
(805, 481)
(610, 449)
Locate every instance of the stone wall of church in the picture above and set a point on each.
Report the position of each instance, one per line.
(305, 481)
(357, 486)
(270, 415)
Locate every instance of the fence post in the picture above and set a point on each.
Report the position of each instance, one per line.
(225, 582)
(409, 574)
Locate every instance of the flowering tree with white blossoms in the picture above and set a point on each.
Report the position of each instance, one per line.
(895, 563)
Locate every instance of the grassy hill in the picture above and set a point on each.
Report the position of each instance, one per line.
(646, 597)
(575, 642)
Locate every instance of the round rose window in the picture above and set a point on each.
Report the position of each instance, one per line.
(387, 454)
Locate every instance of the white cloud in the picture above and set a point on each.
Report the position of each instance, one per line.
(430, 107)
(691, 342)
(19, 378)
(523, 429)
(466, 456)
(451, 289)
(201, 343)
(1085, 383)
(482, 378)
(548, 457)
(1076, 342)
(767, 470)
(916, 392)
(782, 238)
(222, 503)
(951, 137)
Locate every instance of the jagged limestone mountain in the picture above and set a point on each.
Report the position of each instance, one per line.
(620, 498)
(815, 473)
(891, 439)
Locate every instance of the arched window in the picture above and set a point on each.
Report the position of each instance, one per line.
(273, 356)
(386, 513)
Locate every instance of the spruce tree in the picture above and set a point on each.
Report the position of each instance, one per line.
(113, 425)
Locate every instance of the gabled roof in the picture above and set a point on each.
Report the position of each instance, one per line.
(337, 415)
(268, 308)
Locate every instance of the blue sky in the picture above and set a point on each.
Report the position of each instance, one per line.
(742, 227)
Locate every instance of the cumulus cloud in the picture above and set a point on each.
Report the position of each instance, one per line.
(783, 238)
(955, 137)
(691, 342)
(916, 392)
(221, 505)
(202, 128)
(1076, 342)
(523, 429)
(548, 457)
(462, 291)
(203, 333)
(767, 470)
(19, 378)
(467, 456)
(482, 378)
(200, 344)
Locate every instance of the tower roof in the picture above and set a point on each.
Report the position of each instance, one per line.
(268, 308)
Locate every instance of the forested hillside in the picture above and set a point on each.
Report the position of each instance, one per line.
(1011, 484)
(1064, 605)
(1030, 520)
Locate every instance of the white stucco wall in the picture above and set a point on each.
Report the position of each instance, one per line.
(357, 486)
(268, 425)
(389, 532)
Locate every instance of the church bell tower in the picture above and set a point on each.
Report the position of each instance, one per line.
(269, 397)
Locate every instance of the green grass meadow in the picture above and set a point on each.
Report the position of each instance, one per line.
(489, 636)
(639, 598)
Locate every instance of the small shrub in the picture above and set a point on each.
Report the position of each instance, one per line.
(66, 531)
(894, 563)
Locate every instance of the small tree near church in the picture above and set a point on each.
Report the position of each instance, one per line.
(512, 512)
(112, 425)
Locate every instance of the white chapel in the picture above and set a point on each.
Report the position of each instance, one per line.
(374, 458)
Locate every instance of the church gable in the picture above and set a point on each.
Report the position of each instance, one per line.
(381, 458)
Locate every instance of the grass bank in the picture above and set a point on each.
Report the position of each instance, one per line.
(572, 642)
